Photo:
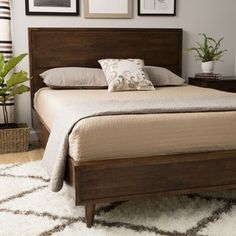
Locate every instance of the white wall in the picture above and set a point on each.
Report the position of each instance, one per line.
(213, 17)
(235, 65)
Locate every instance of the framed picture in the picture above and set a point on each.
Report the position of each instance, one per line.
(156, 7)
(52, 7)
(108, 8)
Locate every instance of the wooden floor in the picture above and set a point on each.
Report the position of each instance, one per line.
(35, 153)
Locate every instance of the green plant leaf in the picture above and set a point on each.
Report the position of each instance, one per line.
(17, 78)
(208, 50)
(18, 90)
(199, 53)
(11, 87)
(8, 66)
(2, 92)
(2, 62)
(211, 39)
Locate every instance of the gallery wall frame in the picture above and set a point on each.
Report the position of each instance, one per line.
(156, 7)
(52, 7)
(108, 8)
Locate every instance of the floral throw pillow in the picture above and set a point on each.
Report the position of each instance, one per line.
(125, 74)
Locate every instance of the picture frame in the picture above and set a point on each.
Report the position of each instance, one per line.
(108, 8)
(52, 7)
(156, 7)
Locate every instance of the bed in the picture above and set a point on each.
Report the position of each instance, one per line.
(105, 177)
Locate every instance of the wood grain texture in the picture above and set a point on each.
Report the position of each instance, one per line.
(35, 153)
(89, 214)
(227, 83)
(41, 129)
(105, 180)
(61, 47)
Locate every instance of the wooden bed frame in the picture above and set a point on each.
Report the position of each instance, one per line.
(125, 179)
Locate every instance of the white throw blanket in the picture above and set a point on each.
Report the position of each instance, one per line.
(57, 147)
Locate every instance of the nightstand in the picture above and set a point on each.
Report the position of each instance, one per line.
(226, 83)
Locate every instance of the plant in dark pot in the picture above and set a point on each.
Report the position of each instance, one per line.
(208, 52)
(13, 137)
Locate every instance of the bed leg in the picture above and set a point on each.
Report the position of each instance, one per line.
(89, 214)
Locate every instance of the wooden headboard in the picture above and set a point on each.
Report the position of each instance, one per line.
(61, 47)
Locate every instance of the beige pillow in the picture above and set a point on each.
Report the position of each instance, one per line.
(74, 77)
(125, 74)
(163, 77)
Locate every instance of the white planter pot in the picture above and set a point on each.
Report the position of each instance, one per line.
(208, 67)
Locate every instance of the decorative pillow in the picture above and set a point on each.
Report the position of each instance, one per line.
(74, 77)
(162, 77)
(125, 74)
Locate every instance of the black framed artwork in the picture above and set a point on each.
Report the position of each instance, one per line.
(52, 7)
(156, 7)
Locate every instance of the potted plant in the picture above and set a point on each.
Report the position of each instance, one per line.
(208, 52)
(13, 137)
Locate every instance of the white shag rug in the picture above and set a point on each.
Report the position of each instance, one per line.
(29, 208)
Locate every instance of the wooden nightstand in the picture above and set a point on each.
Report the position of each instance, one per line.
(226, 83)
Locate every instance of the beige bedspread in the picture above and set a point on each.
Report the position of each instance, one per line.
(124, 136)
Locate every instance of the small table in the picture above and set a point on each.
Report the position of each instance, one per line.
(226, 83)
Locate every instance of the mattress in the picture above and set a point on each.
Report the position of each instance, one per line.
(126, 136)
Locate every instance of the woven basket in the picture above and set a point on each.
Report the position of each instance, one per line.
(14, 139)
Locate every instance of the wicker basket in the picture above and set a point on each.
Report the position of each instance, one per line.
(14, 139)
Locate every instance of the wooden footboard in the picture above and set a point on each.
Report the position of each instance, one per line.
(118, 180)
(115, 180)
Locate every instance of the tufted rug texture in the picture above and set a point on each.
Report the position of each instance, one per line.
(29, 208)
